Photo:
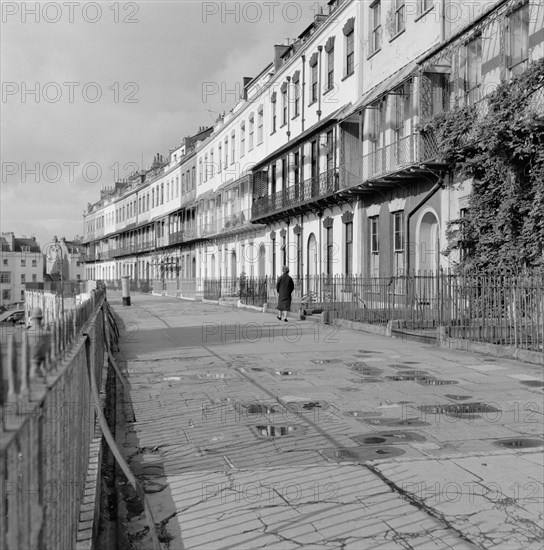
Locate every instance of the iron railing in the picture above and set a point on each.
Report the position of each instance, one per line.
(47, 426)
(498, 309)
(316, 187)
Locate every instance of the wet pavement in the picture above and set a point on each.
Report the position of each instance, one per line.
(249, 433)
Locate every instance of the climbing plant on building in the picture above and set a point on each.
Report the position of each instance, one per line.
(499, 145)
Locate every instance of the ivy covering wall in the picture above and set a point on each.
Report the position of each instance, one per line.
(502, 150)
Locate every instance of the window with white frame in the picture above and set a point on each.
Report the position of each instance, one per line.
(284, 104)
(260, 125)
(348, 250)
(374, 246)
(226, 151)
(329, 49)
(375, 21)
(219, 158)
(233, 148)
(242, 139)
(473, 71)
(314, 78)
(374, 235)
(296, 94)
(274, 111)
(518, 40)
(400, 7)
(424, 5)
(350, 53)
(251, 131)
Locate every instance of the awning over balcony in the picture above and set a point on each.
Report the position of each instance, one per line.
(338, 115)
(391, 82)
(232, 183)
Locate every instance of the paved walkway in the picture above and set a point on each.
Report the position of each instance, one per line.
(250, 433)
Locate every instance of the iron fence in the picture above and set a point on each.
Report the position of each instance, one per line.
(500, 309)
(47, 426)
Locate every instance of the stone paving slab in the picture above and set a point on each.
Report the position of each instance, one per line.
(190, 379)
(482, 497)
(310, 507)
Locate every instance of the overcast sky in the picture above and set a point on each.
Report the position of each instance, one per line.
(90, 87)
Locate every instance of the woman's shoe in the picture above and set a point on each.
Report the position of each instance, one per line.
(278, 318)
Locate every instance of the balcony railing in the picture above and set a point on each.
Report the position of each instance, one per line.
(313, 188)
(401, 154)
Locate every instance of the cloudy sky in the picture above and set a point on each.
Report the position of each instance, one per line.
(89, 88)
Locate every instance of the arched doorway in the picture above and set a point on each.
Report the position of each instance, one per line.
(262, 261)
(311, 263)
(428, 248)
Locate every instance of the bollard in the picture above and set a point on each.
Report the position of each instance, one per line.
(125, 289)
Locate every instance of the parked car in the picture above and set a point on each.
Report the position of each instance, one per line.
(12, 318)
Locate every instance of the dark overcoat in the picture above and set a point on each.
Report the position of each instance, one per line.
(285, 287)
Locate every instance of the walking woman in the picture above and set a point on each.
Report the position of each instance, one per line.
(285, 287)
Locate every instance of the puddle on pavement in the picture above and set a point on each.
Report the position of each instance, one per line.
(256, 408)
(257, 369)
(519, 443)
(411, 372)
(271, 431)
(365, 380)
(433, 382)
(363, 368)
(367, 351)
(350, 389)
(532, 383)
(411, 362)
(286, 372)
(361, 454)
(326, 361)
(311, 405)
(394, 422)
(409, 378)
(388, 438)
(459, 409)
(150, 486)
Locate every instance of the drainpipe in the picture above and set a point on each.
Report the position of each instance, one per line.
(425, 199)
(303, 89)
